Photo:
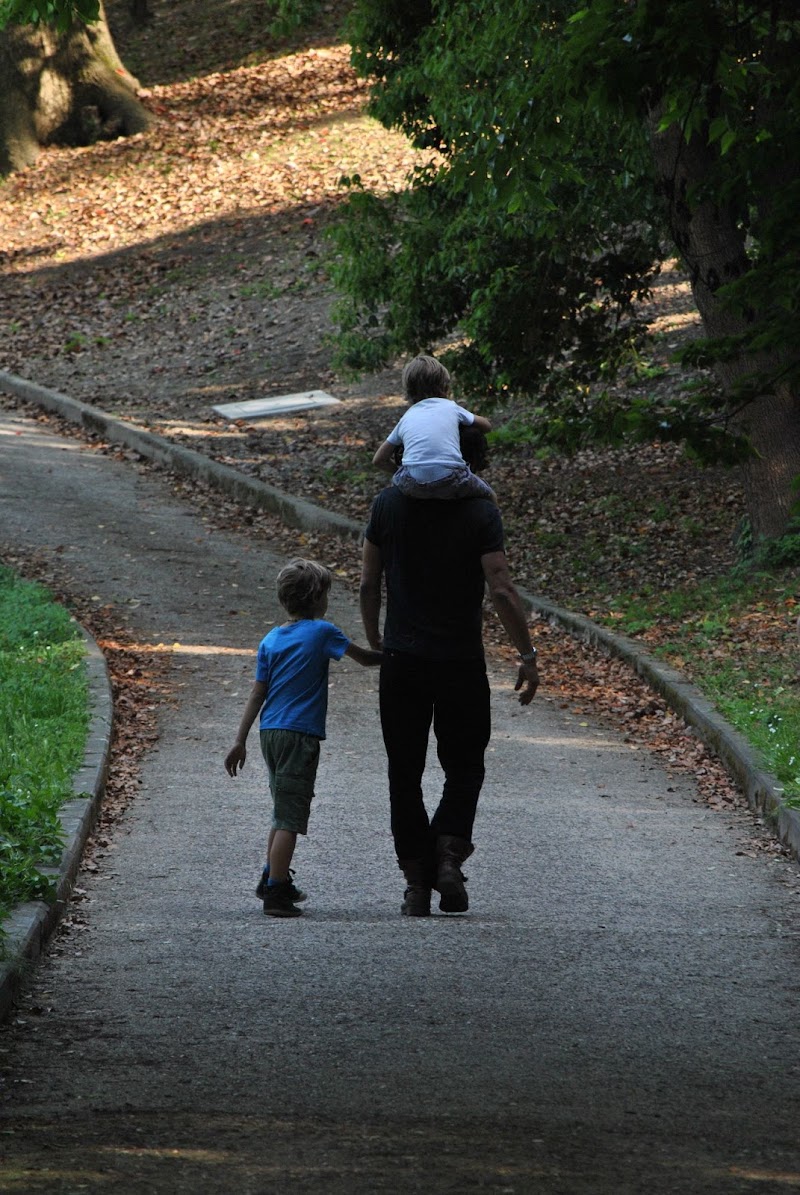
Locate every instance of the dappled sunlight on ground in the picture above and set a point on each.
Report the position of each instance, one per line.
(191, 649)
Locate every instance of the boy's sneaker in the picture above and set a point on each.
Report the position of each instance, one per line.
(278, 901)
(297, 893)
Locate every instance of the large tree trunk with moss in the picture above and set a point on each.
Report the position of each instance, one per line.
(62, 89)
(712, 245)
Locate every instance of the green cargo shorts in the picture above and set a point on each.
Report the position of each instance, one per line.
(292, 758)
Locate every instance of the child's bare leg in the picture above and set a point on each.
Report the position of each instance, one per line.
(281, 850)
(269, 847)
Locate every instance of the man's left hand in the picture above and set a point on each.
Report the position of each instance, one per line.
(528, 681)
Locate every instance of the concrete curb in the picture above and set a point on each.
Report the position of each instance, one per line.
(742, 761)
(762, 790)
(295, 512)
(30, 925)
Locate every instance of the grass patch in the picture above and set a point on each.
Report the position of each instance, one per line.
(263, 289)
(703, 631)
(44, 721)
(355, 469)
(766, 712)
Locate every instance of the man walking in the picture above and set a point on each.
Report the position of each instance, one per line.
(437, 558)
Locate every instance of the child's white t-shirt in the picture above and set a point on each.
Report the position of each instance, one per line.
(429, 434)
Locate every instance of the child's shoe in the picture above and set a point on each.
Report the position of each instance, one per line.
(278, 900)
(297, 893)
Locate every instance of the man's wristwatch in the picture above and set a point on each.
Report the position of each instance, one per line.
(527, 656)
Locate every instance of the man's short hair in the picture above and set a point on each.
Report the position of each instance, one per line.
(425, 377)
(302, 584)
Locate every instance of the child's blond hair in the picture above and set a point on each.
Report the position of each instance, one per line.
(302, 584)
(425, 377)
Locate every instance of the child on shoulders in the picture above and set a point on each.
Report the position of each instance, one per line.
(432, 464)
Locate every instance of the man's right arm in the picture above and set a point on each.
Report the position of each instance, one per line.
(511, 613)
(370, 593)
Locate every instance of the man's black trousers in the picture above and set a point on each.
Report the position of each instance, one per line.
(453, 696)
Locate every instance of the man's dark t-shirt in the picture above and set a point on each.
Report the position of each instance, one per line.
(431, 552)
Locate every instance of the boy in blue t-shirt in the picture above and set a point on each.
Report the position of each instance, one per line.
(291, 694)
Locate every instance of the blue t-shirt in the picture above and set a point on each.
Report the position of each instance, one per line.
(293, 664)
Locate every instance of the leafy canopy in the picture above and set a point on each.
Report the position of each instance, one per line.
(537, 219)
(284, 15)
(60, 13)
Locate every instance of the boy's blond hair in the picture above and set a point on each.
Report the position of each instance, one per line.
(425, 377)
(302, 584)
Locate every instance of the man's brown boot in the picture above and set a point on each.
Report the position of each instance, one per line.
(450, 854)
(417, 896)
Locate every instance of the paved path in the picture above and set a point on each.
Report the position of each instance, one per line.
(617, 1012)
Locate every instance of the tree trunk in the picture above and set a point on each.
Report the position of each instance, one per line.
(712, 245)
(62, 89)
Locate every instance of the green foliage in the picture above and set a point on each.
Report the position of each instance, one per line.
(60, 13)
(514, 433)
(264, 289)
(288, 15)
(537, 221)
(490, 238)
(766, 712)
(753, 689)
(725, 74)
(777, 553)
(75, 342)
(43, 724)
(771, 554)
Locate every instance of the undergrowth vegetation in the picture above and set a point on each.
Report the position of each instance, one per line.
(706, 631)
(43, 726)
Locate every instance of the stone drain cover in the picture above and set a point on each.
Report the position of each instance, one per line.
(257, 408)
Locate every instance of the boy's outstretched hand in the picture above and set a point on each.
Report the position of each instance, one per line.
(235, 758)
